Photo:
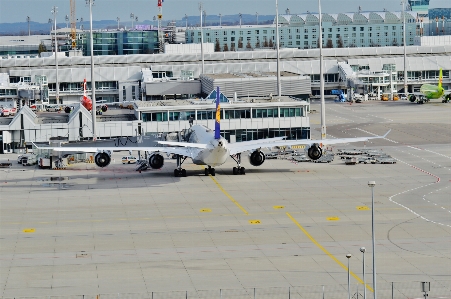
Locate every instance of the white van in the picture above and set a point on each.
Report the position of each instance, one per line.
(29, 159)
(128, 160)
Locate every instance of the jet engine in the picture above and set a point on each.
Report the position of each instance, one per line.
(104, 108)
(156, 161)
(314, 151)
(256, 158)
(102, 159)
(67, 109)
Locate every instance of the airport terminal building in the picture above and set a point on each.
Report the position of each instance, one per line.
(360, 29)
(244, 119)
(152, 81)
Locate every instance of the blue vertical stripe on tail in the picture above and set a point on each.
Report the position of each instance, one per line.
(218, 116)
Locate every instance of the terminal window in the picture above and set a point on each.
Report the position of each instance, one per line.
(202, 115)
(290, 112)
(234, 114)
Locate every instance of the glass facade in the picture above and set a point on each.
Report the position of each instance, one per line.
(19, 50)
(8, 92)
(247, 113)
(373, 29)
(122, 43)
(254, 134)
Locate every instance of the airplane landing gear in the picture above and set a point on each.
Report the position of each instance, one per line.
(179, 171)
(238, 169)
(210, 170)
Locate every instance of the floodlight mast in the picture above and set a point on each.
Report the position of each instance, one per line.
(371, 184)
(279, 89)
(321, 76)
(201, 38)
(404, 43)
(54, 11)
(93, 82)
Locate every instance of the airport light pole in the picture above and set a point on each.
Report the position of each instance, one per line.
(362, 250)
(348, 256)
(220, 19)
(93, 82)
(371, 184)
(404, 38)
(256, 15)
(54, 11)
(201, 38)
(240, 15)
(186, 20)
(279, 88)
(118, 20)
(321, 76)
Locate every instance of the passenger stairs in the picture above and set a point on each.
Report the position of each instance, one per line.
(347, 74)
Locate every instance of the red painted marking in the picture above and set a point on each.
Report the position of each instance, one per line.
(438, 178)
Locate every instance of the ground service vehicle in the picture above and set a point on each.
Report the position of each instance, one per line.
(29, 159)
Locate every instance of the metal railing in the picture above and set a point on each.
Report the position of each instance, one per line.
(391, 290)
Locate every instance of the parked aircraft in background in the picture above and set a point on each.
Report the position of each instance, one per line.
(87, 102)
(430, 91)
(207, 147)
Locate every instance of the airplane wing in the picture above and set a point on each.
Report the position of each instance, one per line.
(240, 147)
(182, 151)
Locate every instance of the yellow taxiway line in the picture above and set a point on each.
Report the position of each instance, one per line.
(228, 195)
(327, 252)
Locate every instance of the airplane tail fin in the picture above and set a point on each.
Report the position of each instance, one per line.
(218, 116)
(440, 78)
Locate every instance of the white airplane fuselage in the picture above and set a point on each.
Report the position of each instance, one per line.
(215, 154)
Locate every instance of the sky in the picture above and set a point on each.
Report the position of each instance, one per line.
(40, 10)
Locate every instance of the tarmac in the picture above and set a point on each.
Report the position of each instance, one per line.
(283, 228)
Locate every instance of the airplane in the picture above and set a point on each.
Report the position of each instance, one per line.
(430, 91)
(87, 102)
(207, 147)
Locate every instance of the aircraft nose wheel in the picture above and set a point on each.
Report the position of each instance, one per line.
(179, 172)
(210, 170)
